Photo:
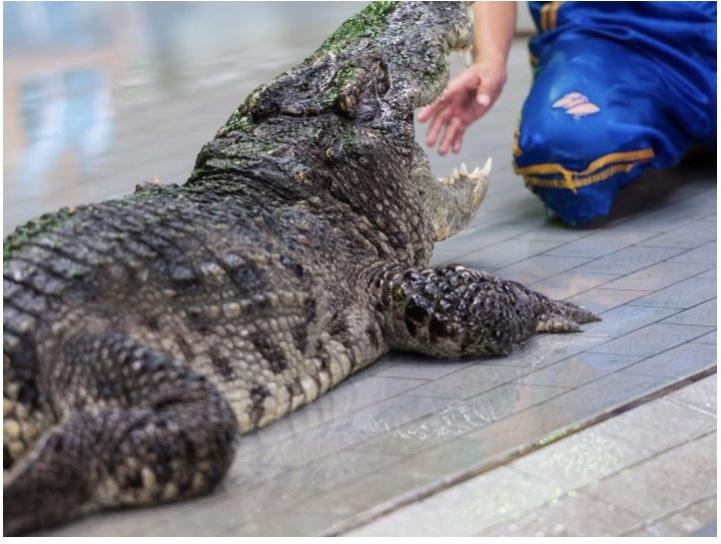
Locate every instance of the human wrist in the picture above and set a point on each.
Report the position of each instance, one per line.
(491, 66)
(497, 60)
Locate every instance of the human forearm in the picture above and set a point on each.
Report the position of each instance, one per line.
(494, 24)
(470, 95)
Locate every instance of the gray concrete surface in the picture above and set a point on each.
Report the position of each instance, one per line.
(409, 427)
(650, 471)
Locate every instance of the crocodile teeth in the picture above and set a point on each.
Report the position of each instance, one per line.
(486, 170)
(461, 173)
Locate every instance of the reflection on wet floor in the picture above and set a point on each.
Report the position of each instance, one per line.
(99, 97)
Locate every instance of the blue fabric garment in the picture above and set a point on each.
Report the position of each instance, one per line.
(649, 68)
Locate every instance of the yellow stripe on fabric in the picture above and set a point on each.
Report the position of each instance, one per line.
(549, 13)
(544, 16)
(574, 182)
(601, 162)
(516, 149)
(553, 14)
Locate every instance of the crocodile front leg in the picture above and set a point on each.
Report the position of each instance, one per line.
(452, 311)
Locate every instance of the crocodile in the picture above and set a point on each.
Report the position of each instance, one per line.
(144, 335)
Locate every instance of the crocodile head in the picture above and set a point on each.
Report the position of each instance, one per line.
(342, 122)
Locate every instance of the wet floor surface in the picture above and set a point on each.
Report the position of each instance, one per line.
(101, 96)
(90, 113)
(568, 488)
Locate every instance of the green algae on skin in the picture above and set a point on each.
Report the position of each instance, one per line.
(238, 120)
(30, 230)
(344, 75)
(368, 23)
(342, 78)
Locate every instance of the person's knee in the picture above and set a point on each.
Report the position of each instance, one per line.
(577, 172)
(557, 138)
(578, 207)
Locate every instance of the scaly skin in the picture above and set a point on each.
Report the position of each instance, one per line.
(142, 335)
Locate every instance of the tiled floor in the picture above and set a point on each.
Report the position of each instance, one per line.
(650, 471)
(408, 427)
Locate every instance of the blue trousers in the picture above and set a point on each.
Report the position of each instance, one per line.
(618, 87)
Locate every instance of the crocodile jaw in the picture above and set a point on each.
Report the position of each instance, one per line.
(458, 199)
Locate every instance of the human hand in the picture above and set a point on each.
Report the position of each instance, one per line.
(465, 99)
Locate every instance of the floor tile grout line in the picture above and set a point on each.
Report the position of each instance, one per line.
(262, 484)
(505, 383)
(696, 305)
(679, 247)
(553, 275)
(376, 470)
(682, 308)
(633, 271)
(492, 389)
(641, 243)
(459, 256)
(664, 207)
(348, 447)
(341, 414)
(684, 248)
(631, 465)
(568, 494)
(518, 235)
(657, 322)
(693, 407)
(660, 352)
(312, 492)
(629, 303)
(433, 488)
(587, 488)
(398, 394)
(636, 244)
(677, 324)
(548, 400)
(655, 455)
(641, 359)
(512, 263)
(675, 511)
(648, 375)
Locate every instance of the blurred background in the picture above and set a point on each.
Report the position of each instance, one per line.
(99, 96)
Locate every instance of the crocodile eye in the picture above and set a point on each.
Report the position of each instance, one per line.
(183, 276)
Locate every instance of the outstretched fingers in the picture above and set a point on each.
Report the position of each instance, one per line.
(433, 108)
(438, 124)
(454, 130)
